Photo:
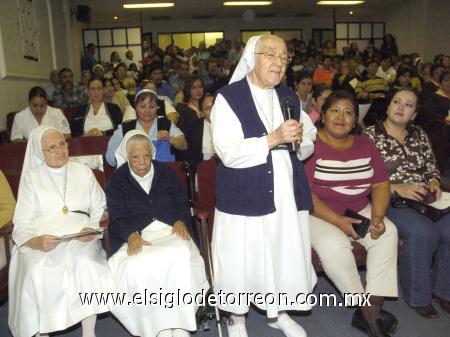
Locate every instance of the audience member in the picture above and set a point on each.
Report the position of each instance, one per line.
(38, 113)
(424, 266)
(344, 79)
(89, 58)
(128, 58)
(344, 171)
(319, 95)
(303, 86)
(151, 242)
(118, 98)
(68, 95)
(162, 132)
(54, 84)
(126, 82)
(97, 118)
(47, 274)
(178, 80)
(324, 74)
(386, 71)
(155, 75)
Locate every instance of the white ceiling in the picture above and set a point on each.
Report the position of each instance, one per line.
(104, 10)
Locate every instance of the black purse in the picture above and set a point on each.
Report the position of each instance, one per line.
(360, 228)
(433, 213)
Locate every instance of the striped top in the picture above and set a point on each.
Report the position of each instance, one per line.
(343, 179)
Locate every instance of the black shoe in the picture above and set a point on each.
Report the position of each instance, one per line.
(445, 305)
(428, 312)
(373, 329)
(389, 321)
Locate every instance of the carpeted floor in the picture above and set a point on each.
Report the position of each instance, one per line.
(320, 322)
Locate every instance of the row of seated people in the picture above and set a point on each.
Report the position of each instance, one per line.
(372, 166)
(154, 114)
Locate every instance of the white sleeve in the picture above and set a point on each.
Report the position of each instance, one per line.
(17, 127)
(306, 148)
(62, 123)
(24, 229)
(129, 113)
(234, 150)
(169, 106)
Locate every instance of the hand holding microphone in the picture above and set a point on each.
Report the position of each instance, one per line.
(294, 132)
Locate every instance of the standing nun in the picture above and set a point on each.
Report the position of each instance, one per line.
(48, 276)
(261, 231)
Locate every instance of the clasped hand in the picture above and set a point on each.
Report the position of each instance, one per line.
(135, 241)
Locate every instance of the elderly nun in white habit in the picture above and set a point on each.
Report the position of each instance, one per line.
(154, 255)
(261, 240)
(56, 197)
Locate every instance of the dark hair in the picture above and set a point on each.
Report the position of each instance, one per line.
(443, 76)
(333, 98)
(144, 96)
(402, 70)
(121, 64)
(370, 61)
(92, 79)
(63, 70)
(301, 76)
(435, 66)
(37, 92)
(152, 67)
(318, 90)
(189, 82)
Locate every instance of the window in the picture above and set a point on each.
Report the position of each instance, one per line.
(108, 40)
(188, 40)
(359, 32)
(285, 34)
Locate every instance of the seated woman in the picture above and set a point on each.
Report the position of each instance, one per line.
(7, 205)
(97, 118)
(120, 99)
(319, 95)
(409, 157)
(344, 79)
(152, 247)
(38, 113)
(198, 135)
(163, 133)
(190, 110)
(344, 171)
(48, 275)
(303, 85)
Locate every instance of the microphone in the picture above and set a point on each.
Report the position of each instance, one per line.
(287, 107)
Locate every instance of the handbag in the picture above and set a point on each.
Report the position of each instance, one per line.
(433, 213)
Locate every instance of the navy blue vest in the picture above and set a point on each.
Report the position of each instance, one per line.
(249, 191)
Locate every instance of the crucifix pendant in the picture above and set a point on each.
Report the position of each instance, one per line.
(65, 209)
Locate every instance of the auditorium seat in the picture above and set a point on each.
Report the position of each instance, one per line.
(12, 155)
(5, 233)
(9, 123)
(206, 175)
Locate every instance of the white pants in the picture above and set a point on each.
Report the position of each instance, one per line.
(335, 251)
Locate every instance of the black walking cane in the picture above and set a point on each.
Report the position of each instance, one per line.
(204, 243)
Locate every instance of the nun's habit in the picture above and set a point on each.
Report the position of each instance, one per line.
(44, 287)
(269, 254)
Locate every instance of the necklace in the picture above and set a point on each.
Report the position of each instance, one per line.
(65, 209)
(263, 113)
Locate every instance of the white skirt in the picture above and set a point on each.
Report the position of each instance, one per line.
(44, 288)
(155, 277)
(268, 255)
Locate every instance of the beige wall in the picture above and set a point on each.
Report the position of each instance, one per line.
(421, 26)
(18, 74)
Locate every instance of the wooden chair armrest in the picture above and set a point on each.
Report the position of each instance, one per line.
(6, 229)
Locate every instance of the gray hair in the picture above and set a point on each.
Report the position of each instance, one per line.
(141, 139)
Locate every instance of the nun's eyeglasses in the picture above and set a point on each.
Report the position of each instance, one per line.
(274, 54)
(56, 147)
